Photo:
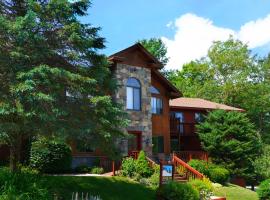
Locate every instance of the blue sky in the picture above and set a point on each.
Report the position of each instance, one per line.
(181, 23)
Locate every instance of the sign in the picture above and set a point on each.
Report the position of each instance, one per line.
(166, 173)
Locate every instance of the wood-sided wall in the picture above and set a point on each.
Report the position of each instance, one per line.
(161, 123)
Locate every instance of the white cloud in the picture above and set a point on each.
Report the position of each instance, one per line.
(194, 35)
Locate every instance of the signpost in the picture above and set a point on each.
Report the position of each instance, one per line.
(166, 173)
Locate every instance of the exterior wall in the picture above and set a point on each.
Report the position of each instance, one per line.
(139, 120)
(161, 123)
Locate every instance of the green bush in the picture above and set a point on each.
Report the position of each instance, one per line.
(139, 167)
(176, 191)
(200, 165)
(216, 173)
(264, 190)
(219, 174)
(49, 156)
(204, 187)
(82, 169)
(154, 179)
(142, 166)
(128, 167)
(97, 170)
(25, 184)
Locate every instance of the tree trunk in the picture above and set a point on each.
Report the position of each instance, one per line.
(13, 159)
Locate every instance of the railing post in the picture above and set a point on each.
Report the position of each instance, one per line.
(113, 167)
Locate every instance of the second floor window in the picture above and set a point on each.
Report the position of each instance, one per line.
(156, 101)
(133, 101)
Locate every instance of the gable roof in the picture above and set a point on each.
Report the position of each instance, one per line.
(152, 61)
(201, 104)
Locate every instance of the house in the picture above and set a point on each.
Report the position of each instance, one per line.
(160, 121)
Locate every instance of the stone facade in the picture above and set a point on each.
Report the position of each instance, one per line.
(139, 120)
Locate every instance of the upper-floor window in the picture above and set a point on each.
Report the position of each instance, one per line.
(133, 94)
(156, 101)
(199, 117)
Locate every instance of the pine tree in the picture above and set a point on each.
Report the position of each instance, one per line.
(53, 81)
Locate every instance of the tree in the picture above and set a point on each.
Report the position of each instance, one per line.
(231, 140)
(229, 74)
(262, 163)
(157, 48)
(53, 82)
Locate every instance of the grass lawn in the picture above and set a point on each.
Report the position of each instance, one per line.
(108, 188)
(233, 192)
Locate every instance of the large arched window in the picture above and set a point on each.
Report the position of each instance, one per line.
(133, 94)
(156, 101)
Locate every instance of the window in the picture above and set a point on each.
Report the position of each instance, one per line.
(156, 101)
(198, 117)
(81, 146)
(158, 144)
(179, 116)
(133, 94)
(156, 105)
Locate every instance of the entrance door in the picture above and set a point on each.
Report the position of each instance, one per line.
(134, 142)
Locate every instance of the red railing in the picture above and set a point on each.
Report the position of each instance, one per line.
(189, 155)
(182, 167)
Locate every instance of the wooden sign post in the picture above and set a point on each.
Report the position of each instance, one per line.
(166, 173)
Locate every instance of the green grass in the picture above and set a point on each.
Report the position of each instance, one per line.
(233, 192)
(108, 188)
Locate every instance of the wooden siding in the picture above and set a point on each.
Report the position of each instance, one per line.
(161, 123)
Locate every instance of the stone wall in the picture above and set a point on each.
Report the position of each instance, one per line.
(139, 120)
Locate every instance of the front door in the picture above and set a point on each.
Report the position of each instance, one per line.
(134, 142)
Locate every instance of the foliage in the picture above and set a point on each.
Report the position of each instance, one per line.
(50, 156)
(97, 170)
(175, 191)
(25, 184)
(230, 74)
(200, 165)
(262, 163)
(219, 174)
(128, 167)
(157, 48)
(136, 168)
(53, 81)
(204, 187)
(264, 190)
(142, 166)
(231, 141)
(82, 169)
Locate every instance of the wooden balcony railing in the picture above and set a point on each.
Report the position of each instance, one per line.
(185, 170)
(189, 155)
(182, 128)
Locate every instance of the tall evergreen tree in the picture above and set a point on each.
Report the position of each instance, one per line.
(53, 81)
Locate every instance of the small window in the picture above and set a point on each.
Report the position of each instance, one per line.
(156, 105)
(133, 89)
(198, 117)
(154, 90)
(158, 144)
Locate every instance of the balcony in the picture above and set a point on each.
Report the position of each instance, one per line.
(178, 128)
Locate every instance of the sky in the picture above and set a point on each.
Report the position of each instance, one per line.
(187, 27)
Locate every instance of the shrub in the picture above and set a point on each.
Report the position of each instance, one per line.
(264, 190)
(204, 186)
(50, 156)
(142, 166)
(97, 170)
(82, 169)
(215, 172)
(24, 184)
(128, 167)
(219, 174)
(200, 165)
(154, 179)
(176, 191)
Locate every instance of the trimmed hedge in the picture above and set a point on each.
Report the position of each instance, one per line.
(264, 190)
(49, 156)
